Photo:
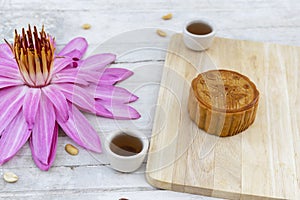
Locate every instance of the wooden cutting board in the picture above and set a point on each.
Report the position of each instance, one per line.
(264, 160)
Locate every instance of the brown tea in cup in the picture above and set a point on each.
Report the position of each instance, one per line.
(126, 145)
(199, 28)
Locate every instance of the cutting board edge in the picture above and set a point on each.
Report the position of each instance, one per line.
(176, 187)
(156, 182)
(202, 191)
(258, 42)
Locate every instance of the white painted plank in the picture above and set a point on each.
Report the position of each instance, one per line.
(82, 178)
(131, 194)
(253, 22)
(160, 5)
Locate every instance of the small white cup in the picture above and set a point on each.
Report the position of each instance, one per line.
(116, 155)
(198, 34)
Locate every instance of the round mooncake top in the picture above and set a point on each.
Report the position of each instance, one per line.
(225, 91)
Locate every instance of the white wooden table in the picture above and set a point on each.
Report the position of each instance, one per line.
(88, 175)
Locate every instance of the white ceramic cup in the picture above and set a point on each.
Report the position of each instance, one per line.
(125, 163)
(201, 39)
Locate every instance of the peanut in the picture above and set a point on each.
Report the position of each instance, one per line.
(10, 177)
(71, 149)
(161, 33)
(167, 17)
(86, 26)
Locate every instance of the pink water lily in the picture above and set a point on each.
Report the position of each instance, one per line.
(41, 91)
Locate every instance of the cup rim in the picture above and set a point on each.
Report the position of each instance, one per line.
(200, 20)
(135, 133)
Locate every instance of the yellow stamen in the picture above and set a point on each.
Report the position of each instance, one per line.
(30, 58)
(34, 53)
(24, 61)
(44, 62)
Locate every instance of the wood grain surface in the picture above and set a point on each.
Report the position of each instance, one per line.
(262, 161)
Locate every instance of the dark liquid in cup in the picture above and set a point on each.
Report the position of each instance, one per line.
(126, 145)
(199, 28)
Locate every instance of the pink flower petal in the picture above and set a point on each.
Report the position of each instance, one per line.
(78, 96)
(6, 57)
(89, 76)
(44, 135)
(13, 138)
(79, 129)
(61, 63)
(80, 44)
(58, 100)
(114, 75)
(67, 76)
(11, 103)
(118, 111)
(5, 52)
(102, 111)
(8, 82)
(76, 75)
(31, 104)
(8, 63)
(98, 61)
(9, 72)
(113, 93)
(52, 155)
(74, 54)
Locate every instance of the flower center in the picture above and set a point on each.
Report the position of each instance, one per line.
(34, 53)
